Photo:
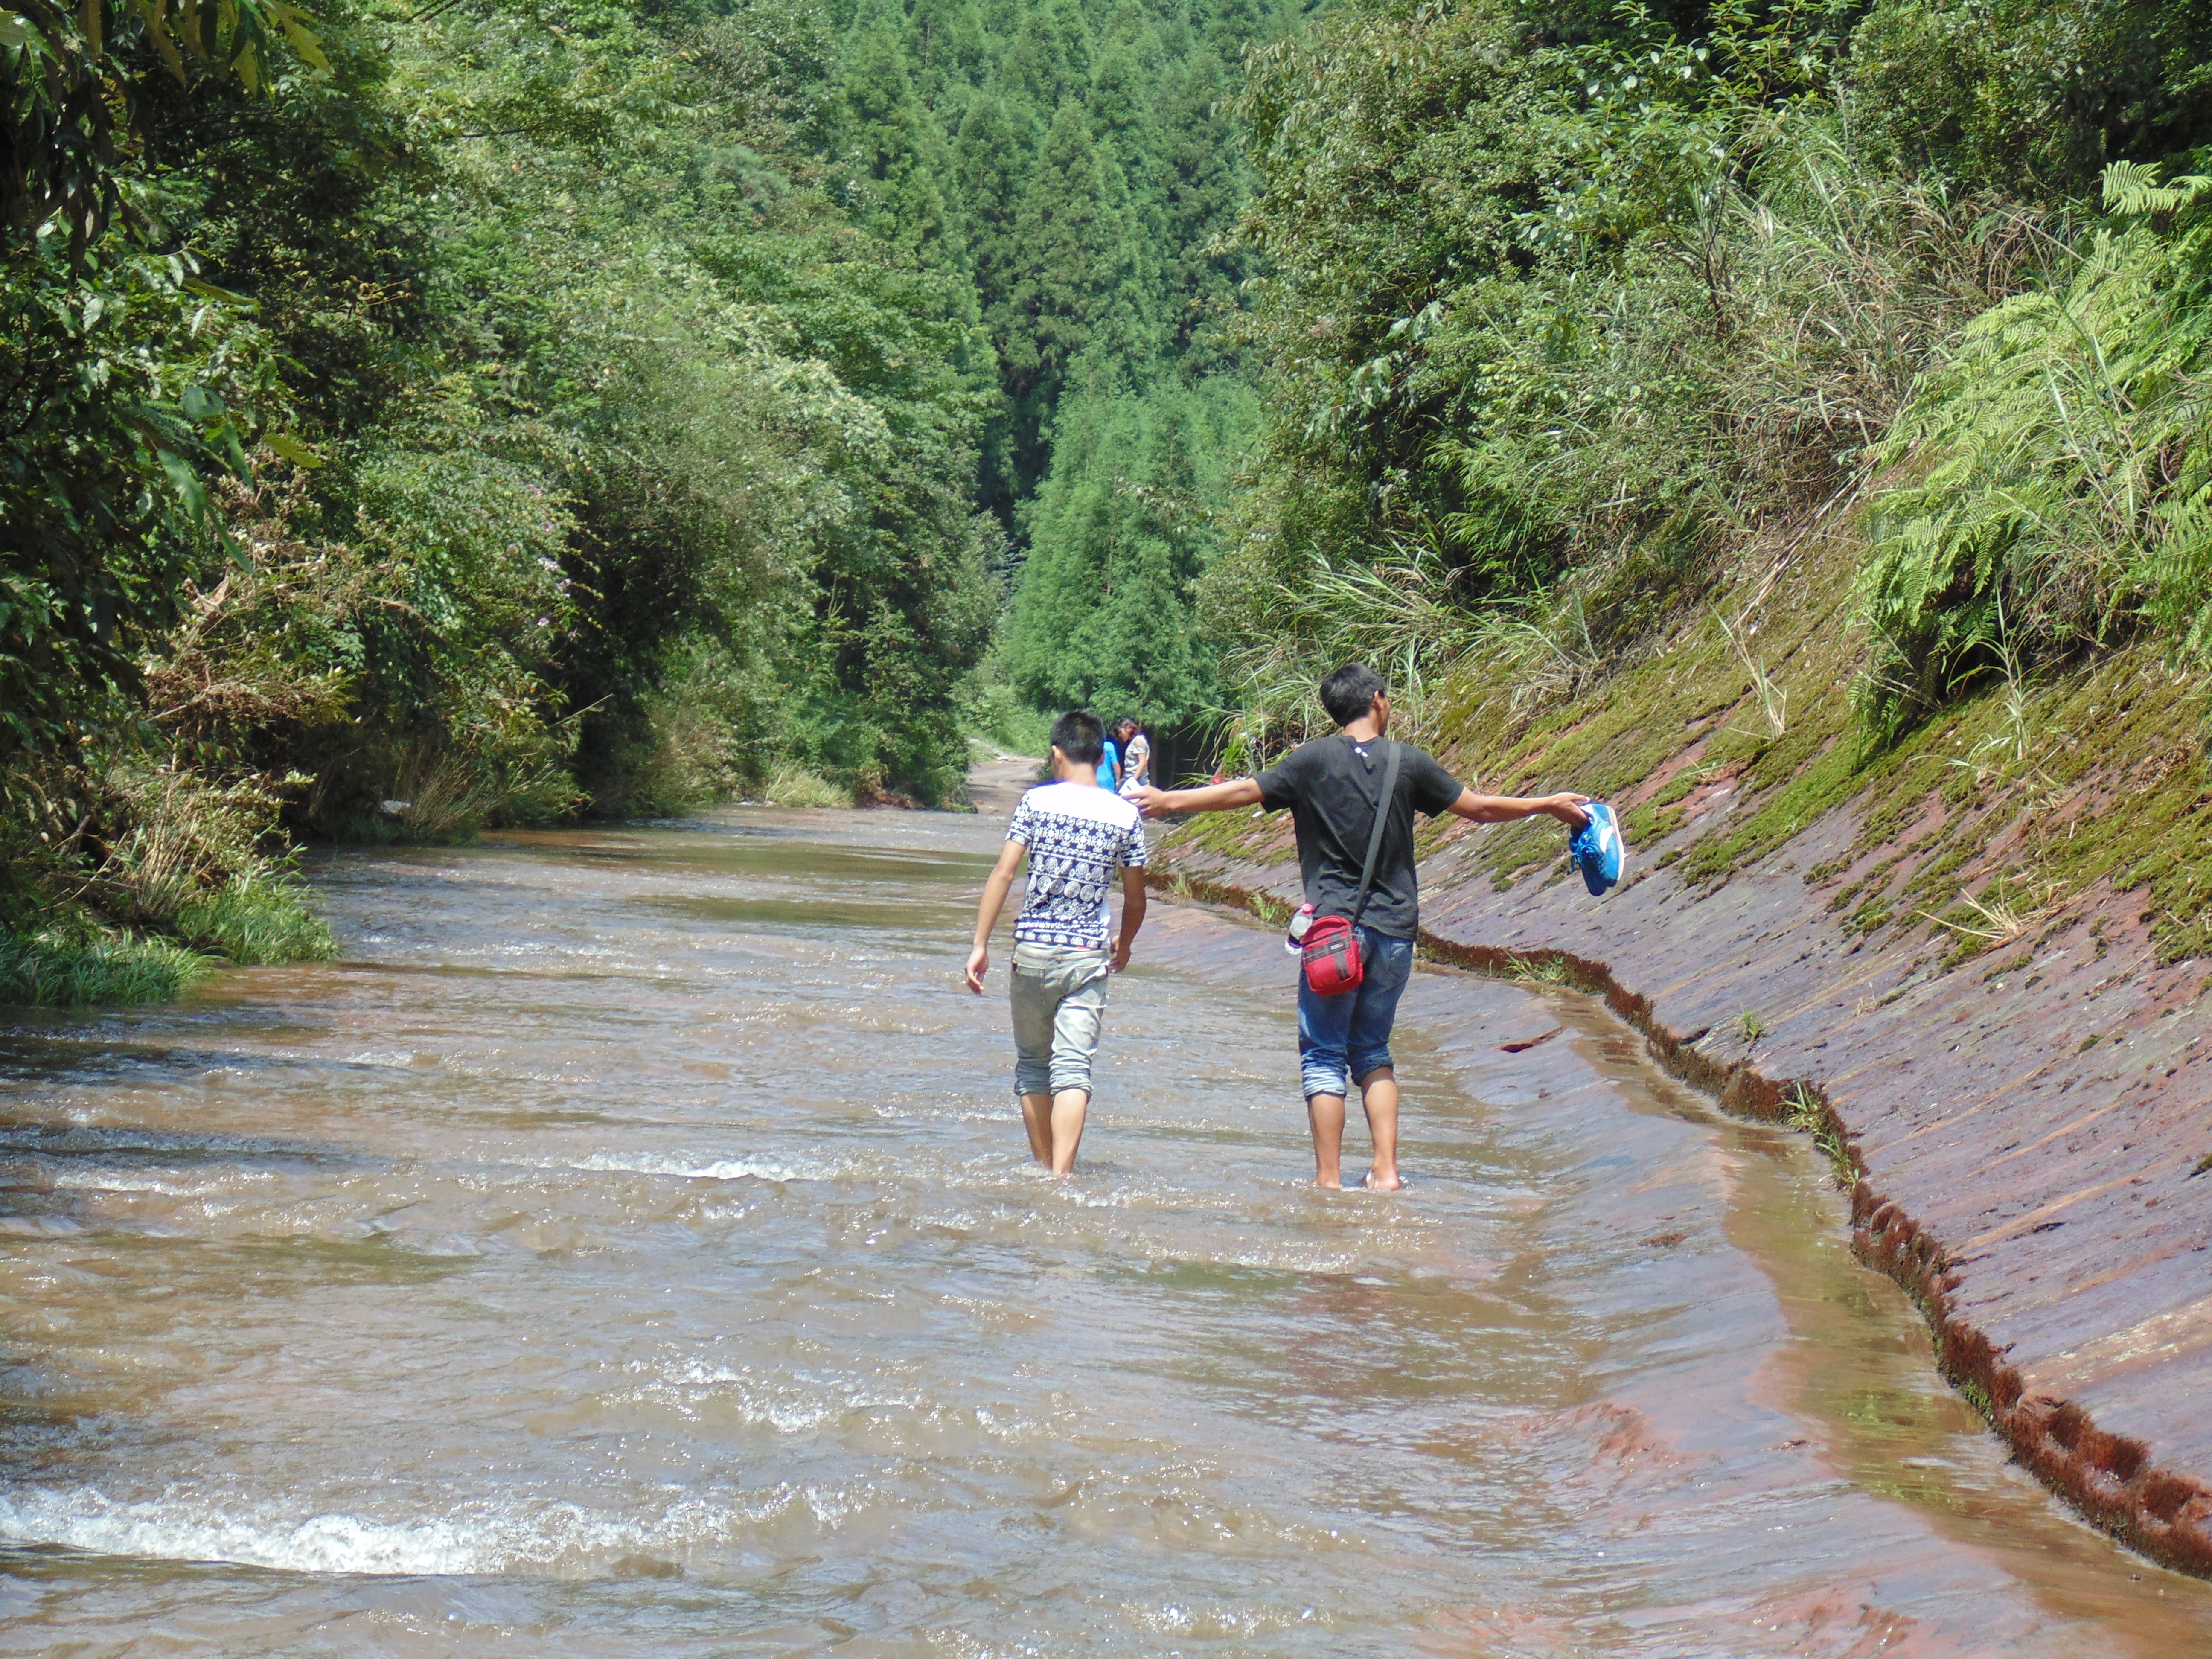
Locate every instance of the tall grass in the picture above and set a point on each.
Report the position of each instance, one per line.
(146, 875)
(56, 969)
(255, 919)
(511, 769)
(795, 786)
(1402, 614)
(1636, 417)
(1397, 610)
(1635, 421)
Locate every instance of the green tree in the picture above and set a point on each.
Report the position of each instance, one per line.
(1119, 534)
(1048, 59)
(127, 381)
(947, 46)
(1079, 254)
(896, 153)
(992, 172)
(1204, 182)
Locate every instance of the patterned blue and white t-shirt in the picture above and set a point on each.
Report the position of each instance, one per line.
(1077, 838)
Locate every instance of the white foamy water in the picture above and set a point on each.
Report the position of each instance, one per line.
(724, 1168)
(631, 1249)
(473, 1540)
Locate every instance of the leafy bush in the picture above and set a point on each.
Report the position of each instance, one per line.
(1556, 327)
(708, 730)
(123, 378)
(2062, 484)
(2036, 96)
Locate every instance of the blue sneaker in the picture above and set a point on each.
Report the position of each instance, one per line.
(1597, 849)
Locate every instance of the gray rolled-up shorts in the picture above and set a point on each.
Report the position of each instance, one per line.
(1059, 1002)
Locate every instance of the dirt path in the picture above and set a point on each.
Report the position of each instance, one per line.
(996, 785)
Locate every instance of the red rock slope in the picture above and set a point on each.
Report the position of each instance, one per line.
(1987, 1001)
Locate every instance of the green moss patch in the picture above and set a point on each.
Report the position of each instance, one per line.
(2036, 792)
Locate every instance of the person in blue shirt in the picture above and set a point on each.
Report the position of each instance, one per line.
(1110, 768)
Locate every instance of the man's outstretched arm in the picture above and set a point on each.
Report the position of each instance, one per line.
(1214, 798)
(1566, 806)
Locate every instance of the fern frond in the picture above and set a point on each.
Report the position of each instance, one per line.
(2065, 472)
(2132, 189)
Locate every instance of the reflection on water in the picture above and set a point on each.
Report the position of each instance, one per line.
(631, 1249)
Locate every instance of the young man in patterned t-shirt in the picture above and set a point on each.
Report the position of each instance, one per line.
(1077, 835)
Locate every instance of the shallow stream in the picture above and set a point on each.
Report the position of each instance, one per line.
(630, 1247)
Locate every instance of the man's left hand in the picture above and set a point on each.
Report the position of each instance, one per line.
(1150, 802)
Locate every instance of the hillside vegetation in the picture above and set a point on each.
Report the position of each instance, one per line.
(420, 418)
(1808, 402)
(426, 417)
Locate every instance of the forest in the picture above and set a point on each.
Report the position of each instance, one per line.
(423, 418)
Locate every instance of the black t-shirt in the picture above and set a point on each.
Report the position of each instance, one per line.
(1330, 786)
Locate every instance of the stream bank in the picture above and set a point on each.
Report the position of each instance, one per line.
(2087, 1352)
(1973, 965)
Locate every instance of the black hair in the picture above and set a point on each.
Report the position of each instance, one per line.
(1349, 693)
(1077, 735)
(1127, 723)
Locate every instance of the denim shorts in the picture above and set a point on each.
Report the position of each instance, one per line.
(1059, 1003)
(1351, 1033)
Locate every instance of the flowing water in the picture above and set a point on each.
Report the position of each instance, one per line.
(631, 1248)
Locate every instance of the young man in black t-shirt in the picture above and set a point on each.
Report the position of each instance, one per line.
(1330, 786)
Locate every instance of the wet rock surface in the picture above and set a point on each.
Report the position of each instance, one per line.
(2029, 1127)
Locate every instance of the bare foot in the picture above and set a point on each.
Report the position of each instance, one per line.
(1329, 1183)
(1378, 1182)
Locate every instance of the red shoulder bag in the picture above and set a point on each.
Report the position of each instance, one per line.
(1330, 960)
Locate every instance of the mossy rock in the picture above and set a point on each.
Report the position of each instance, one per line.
(2000, 807)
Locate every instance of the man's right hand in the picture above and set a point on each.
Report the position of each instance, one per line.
(979, 964)
(1567, 807)
(1151, 803)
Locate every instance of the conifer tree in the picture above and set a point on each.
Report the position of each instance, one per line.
(991, 171)
(1122, 115)
(1204, 180)
(1050, 58)
(1119, 534)
(947, 45)
(1076, 254)
(890, 141)
(1131, 61)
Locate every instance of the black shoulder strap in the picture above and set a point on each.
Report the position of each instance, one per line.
(1375, 837)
